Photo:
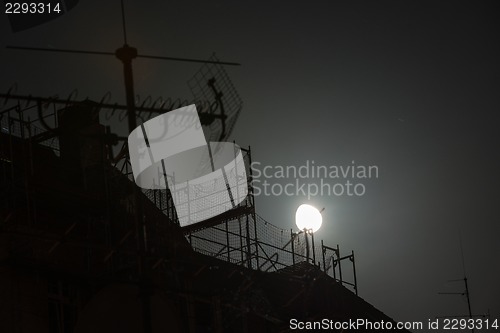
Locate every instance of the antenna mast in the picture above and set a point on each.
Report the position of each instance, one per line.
(465, 275)
(124, 26)
(466, 293)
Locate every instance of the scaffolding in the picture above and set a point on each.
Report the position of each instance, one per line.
(70, 217)
(240, 236)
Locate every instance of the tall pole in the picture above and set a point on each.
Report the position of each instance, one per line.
(126, 54)
(468, 299)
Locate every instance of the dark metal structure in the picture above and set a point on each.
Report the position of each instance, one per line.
(69, 252)
(83, 249)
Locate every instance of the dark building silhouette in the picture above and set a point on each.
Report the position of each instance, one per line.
(71, 257)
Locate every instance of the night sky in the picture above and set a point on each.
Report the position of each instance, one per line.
(409, 86)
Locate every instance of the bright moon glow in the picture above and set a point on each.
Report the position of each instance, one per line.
(308, 217)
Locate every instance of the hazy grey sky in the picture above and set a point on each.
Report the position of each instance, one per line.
(411, 87)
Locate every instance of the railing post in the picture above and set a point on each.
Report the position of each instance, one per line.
(249, 251)
(227, 242)
(334, 263)
(340, 264)
(323, 253)
(255, 237)
(307, 245)
(354, 272)
(314, 250)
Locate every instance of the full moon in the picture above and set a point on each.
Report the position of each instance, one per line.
(308, 217)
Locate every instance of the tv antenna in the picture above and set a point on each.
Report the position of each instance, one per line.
(465, 292)
(126, 54)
